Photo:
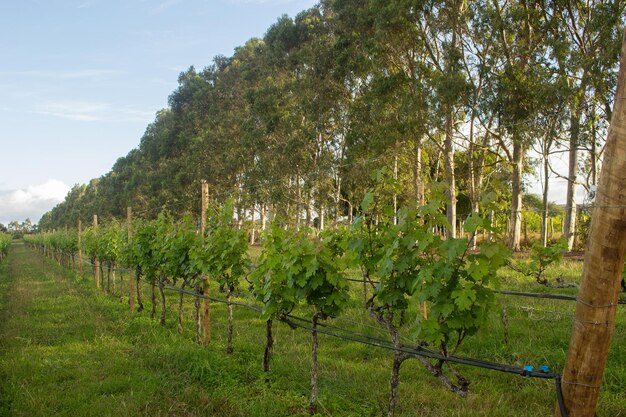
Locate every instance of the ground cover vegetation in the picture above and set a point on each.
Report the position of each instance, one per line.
(423, 292)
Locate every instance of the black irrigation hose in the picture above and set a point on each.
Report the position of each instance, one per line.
(505, 292)
(217, 300)
(541, 295)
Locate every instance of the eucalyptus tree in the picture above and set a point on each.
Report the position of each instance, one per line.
(585, 42)
(442, 27)
(519, 73)
(383, 63)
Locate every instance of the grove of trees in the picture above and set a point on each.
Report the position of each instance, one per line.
(471, 94)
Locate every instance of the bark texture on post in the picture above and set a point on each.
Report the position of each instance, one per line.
(604, 262)
(96, 263)
(80, 247)
(131, 287)
(269, 346)
(314, 387)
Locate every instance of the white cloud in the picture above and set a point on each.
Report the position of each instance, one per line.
(86, 111)
(31, 202)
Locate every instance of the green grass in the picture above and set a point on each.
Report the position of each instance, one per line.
(68, 349)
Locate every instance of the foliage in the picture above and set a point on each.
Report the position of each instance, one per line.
(541, 258)
(5, 243)
(412, 265)
(224, 255)
(62, 241)
(296, 267)
(142, 247)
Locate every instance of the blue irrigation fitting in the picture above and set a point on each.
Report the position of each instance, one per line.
(529, 369)
(544, 368)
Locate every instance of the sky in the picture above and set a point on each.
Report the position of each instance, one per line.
(80, 80)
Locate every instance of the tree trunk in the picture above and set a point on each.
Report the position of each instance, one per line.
(604, 261)
(229, 345)
(108, 278)
(593, 153)
(544, 214)
(240, 213)
(253, 228)
(418, 184)
(570, 203)
(263, 216)
(395, 178)
(269, 345)
(475, 173)
(398, 358)
(515, 230)
(298, 203)
(337, 199)
(309, 204)
(450, 178)
(314, 388)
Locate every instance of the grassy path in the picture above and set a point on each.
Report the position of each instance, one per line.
(67, 353)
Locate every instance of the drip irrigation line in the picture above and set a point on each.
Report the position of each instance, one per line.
(549, 296)
(217, 300)
(507, 292)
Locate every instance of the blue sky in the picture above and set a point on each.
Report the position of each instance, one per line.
(81, 79)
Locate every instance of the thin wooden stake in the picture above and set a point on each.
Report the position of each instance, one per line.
(206, 312)
(80, 247)
(96, 261)
(131, 289)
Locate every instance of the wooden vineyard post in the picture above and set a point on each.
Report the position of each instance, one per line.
(80, 248)
(206, 311)
(96, 263)
(131, 287)
(604, 262)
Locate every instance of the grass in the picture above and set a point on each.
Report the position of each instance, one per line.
(68, 349)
